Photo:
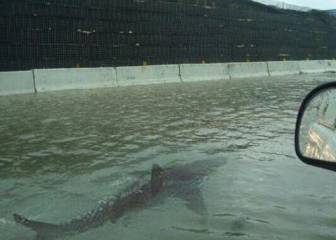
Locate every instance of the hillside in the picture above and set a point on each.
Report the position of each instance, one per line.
(67, 33)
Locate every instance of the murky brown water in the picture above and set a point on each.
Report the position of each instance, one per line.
(63, 152)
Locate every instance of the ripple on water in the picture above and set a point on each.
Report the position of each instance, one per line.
(90, 144)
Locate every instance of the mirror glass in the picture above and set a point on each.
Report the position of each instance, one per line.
(317, 136)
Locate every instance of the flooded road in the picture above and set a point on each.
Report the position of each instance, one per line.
(62, 153)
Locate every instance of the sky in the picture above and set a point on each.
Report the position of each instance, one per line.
(316, 4)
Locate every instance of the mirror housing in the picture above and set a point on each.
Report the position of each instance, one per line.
(315, 133)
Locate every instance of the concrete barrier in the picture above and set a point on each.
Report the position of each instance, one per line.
(139, 75)
(280, 68)
(333, 65)
(41, 80)
(317, 66)
(74, 78)
(247, 70)
(16, 82)
(202, 72)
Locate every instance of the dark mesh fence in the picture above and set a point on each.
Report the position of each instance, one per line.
(93, 33)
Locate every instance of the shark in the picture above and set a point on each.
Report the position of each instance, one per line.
(180, 181)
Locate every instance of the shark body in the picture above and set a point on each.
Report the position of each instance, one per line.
(182, 181)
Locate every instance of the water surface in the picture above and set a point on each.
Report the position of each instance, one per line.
(61, 153)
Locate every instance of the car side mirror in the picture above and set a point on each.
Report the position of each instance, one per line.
(315, 134)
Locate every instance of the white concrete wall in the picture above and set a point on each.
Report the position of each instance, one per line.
(139, 75)
(74, 78)
(316, 66)
(280, 68)
(87, 78)
(16, 82)
(248, 69)
(204, 72)
(333, 65)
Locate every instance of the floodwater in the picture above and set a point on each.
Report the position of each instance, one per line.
(62, 153)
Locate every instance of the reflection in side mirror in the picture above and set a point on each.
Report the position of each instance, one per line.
(315, 137)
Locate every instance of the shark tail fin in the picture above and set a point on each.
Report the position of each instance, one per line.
(21, 220)
(39, 227)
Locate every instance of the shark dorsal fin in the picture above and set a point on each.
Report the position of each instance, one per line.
(156, 179)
